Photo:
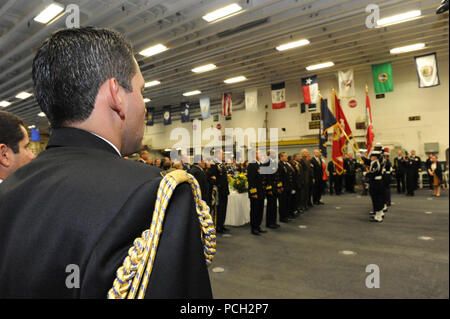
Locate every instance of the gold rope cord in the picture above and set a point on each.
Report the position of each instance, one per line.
(131, 273)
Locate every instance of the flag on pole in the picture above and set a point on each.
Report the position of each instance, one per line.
(251, 100)
(382, 77)
(346, 83)
(205, 108)
(310, 88)
(150, 116)
(369, 136)
(278, 96)
(227, 104)
(427, 70)
(327, 121)
(340, 117)
(166, 115)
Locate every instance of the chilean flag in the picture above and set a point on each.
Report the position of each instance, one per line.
(310, 89)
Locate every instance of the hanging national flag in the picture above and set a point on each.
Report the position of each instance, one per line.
(150, 116)
(166, 115)
(382, 77)
(346, 84)
(369, 136)
(251, 100)
(278, 96)
(227, 104)
(310, 88)
(427, 70)
(185, 113)
(205, 108)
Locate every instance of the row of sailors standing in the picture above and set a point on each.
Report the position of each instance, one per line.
(294, 183)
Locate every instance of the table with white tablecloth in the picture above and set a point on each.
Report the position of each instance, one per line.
(238, 210)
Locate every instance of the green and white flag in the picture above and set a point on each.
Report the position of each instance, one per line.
(382, 77)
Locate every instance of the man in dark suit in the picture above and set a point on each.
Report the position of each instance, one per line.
(198, 171)
(271, 183)
(318, 176)
(14, 142)
(399, 169)
(306, 180)
(256, 194)
(218, 173)
(285, 187)
(75, 211)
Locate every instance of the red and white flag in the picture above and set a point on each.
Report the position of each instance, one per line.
(310, 88)
(369, 136)
(278, 96)
(227, 104)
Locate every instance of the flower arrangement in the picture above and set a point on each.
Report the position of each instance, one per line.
(239, 183)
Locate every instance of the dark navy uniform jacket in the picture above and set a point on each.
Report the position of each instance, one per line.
(80, 203)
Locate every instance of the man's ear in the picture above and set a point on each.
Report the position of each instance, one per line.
(116, 102)
(4, 155)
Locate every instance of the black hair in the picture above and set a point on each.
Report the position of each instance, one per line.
(72, 64)
(10, 132)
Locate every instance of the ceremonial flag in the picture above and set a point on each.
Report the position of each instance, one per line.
(251, 100)
(382, 77)
(327, 121)
(427, 71)
(185, 113)
(278, 96)
(227, 104)
(150, 116)
(310, 88)
(342, 120)
(369, 136)
(205, 108)
(346, 83)
(166, 115)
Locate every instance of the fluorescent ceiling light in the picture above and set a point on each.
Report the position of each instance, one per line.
(146, 100)
(192, 93)
(204, 68)
(222, 12)
(292, 45)
(408, 48)
(152, 83)
(4, 103)
(32, 126)
(158, 48)
(49, 13)
(23, 95)
(235, 80)
(399, 18)
(42, 114)
(319, 66)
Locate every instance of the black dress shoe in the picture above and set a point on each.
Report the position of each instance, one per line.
(255, 232)
(226, 230)
(274, 226)
(321, 203)
(262, 231)
(219, 231)
(285, 220)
